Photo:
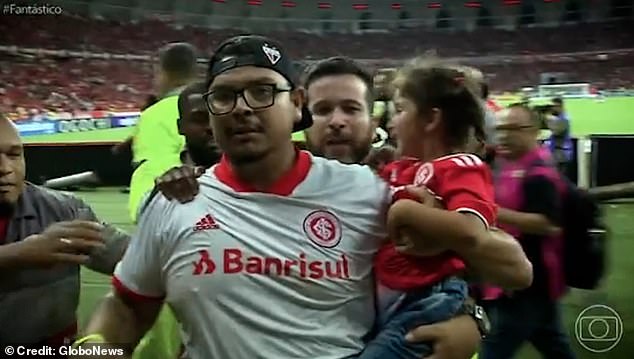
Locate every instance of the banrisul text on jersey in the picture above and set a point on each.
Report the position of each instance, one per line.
(235, 261)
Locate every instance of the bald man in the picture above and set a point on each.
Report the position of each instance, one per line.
(44, 236)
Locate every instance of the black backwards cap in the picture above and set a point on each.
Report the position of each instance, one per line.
(259, 51)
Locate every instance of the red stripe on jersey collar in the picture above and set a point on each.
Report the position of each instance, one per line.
(284, 186)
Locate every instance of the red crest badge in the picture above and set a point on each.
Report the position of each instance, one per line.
(424, 174)
(323, 228)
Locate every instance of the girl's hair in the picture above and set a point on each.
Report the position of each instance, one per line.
(431, 84)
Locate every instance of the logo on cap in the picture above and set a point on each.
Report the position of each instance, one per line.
(271, 53)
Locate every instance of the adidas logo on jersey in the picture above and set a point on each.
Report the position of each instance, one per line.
(467, 160)
(206, 223)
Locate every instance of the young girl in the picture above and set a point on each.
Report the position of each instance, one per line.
(437, 114)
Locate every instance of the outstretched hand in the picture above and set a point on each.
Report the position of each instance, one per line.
(69, 242)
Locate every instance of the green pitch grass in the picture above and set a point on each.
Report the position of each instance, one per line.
(617, 292)
(614, 116)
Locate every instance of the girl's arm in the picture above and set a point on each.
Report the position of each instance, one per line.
(450, 230)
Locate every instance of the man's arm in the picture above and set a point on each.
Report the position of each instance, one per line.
(122, 320)
(620, 190)
(530, 223)
(139, 286)
(499, 259)
(541, 209)
(496, 259)
(115, 241)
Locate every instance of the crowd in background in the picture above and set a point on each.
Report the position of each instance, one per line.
(38, 86)
(145, 37)
(35, 85)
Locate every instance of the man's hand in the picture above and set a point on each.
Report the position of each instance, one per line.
(180, 183)
(64, 242)
(457, 338)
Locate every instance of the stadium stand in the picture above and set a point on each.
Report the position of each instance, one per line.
(38, 82)
(42, 85)
(145, 37)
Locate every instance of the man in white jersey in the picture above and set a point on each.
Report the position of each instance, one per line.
(276, 238)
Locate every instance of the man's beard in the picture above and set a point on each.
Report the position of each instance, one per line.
(203, 155)
(6, 209)
(358, 152)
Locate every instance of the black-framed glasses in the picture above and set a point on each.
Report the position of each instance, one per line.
(221, 101)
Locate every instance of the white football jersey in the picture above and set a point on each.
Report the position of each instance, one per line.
(286, 274)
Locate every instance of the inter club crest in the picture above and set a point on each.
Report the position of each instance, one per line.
(424, 174)
(323, 228)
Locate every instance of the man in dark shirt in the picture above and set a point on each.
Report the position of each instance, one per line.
(527, 191)
(44, 235)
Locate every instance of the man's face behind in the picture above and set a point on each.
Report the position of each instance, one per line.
(515, 132)
(246, 134)
(342, 128)
(12, 167)
(199, 137)
(382, 84)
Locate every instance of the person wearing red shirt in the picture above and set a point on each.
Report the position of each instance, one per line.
(437, 112)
